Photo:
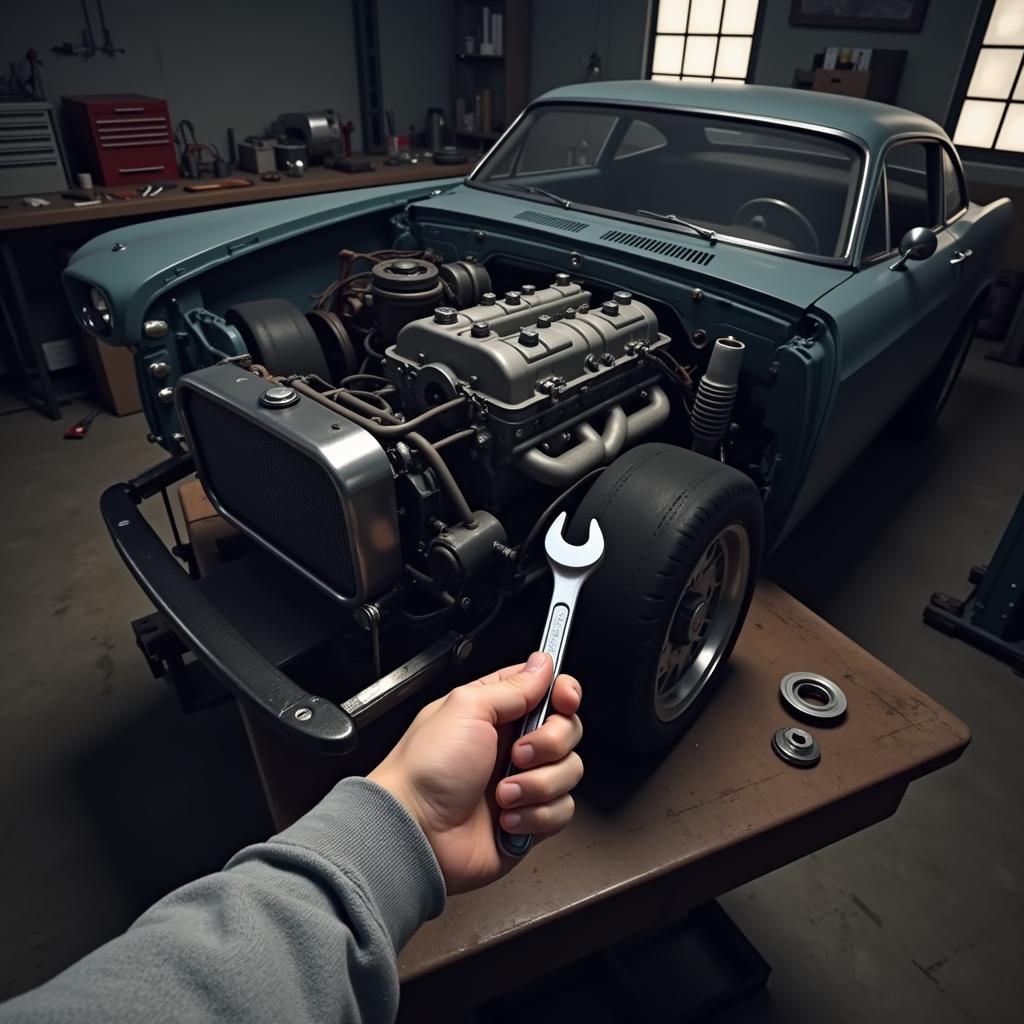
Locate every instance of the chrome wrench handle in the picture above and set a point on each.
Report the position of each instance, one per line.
(571, 565)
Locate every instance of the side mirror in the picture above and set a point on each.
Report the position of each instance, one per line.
(916, 244)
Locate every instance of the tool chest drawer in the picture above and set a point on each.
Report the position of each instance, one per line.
(123, 139)
(30, 156)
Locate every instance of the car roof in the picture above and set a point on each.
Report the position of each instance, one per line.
(874, 123)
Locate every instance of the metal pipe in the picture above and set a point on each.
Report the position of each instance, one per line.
(407, 430)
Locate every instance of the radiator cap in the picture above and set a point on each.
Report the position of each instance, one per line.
(279, 396)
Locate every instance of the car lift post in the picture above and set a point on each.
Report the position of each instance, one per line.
(992, 616)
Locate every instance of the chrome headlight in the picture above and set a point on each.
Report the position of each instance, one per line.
(96, 313)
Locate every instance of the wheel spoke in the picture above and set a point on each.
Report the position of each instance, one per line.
(692, 648)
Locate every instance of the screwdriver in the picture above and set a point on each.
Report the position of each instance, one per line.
(81, 428)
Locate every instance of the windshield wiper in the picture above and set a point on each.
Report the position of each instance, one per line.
(706, 233)
(534, 191)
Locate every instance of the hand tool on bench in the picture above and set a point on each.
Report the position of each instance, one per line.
(571, 565)
(207, 186)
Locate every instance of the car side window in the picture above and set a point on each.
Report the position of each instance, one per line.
(640, 137)
(561, 139)
(876, 241)
(953, 189)
(913, 184)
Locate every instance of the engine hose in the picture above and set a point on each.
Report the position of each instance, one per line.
(716, 396)
(407, 430)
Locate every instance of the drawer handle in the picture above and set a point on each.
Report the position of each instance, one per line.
(129, 110)
(139, 170)
(127, 120)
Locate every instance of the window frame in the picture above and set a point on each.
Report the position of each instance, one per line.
(755, 39)
(854, 235)
(944, 145)
(1002, 157)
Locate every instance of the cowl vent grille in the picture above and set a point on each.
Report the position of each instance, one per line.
(659, 247)
(562, 223)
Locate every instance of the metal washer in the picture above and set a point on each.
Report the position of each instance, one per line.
(796, 747)
(833, 699)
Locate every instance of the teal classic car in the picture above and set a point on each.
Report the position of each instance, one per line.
(680, 309)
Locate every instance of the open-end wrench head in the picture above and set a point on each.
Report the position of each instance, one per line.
(574, 556)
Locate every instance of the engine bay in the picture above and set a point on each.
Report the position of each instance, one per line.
(421, 425)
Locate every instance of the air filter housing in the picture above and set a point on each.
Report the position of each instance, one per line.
(309, 485)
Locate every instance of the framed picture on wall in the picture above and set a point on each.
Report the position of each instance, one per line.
(887, 15)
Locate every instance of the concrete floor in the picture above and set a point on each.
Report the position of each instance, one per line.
(112, 797)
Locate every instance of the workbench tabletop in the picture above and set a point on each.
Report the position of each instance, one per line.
(177, 200)
(720, 809)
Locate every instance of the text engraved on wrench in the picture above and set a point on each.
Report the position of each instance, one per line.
(556, 628)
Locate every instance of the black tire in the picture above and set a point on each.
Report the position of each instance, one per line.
(661, 509)
(921, 411)
(279, 337)
(335, 343)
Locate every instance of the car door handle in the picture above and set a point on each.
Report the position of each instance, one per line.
(959, 255)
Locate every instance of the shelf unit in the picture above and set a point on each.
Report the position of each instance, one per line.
(500, 80)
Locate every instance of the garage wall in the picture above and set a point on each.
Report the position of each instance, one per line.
(564, 33)
(220, 65)
(934, 54)
(416, 41)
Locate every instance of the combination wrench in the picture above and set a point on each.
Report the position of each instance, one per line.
(571, 565)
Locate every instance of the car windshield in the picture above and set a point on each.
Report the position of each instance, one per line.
(746, 181)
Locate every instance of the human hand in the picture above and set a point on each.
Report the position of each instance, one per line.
(443, 770)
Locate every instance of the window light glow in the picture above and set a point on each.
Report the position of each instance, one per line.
(672, 15)
(978, 124)
(703, 40)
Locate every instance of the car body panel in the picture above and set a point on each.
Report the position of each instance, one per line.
(160, 255)
(833, 347)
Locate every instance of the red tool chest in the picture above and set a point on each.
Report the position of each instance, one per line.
(122, 140)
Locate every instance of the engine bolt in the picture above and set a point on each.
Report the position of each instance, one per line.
(610, 308)
(585, 308)
(505, 551)
(696, 295)
(445, 315)
(623, 298)
(466, 603)
(481, 329)
(303, 714)
(608, 359)
(159, 370)
(528, 289)
(570, 313)
(513, 298)
(562, 279)
(166, 395)
(488, 299)
(463, 649)
(528, 336)
(591, 364)
(544, 320)
(155, 328)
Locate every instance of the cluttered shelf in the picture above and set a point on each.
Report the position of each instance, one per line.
(174, 199)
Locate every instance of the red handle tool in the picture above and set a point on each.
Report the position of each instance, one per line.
(81, 428)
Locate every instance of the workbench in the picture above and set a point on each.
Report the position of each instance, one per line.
(34, 242)
(649, 841)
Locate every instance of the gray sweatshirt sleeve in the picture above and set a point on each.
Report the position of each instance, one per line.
(303, 927)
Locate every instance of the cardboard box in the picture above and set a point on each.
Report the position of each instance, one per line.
(842, 83)
(114, 370)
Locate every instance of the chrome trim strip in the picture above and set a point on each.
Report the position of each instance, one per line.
(867, 162)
